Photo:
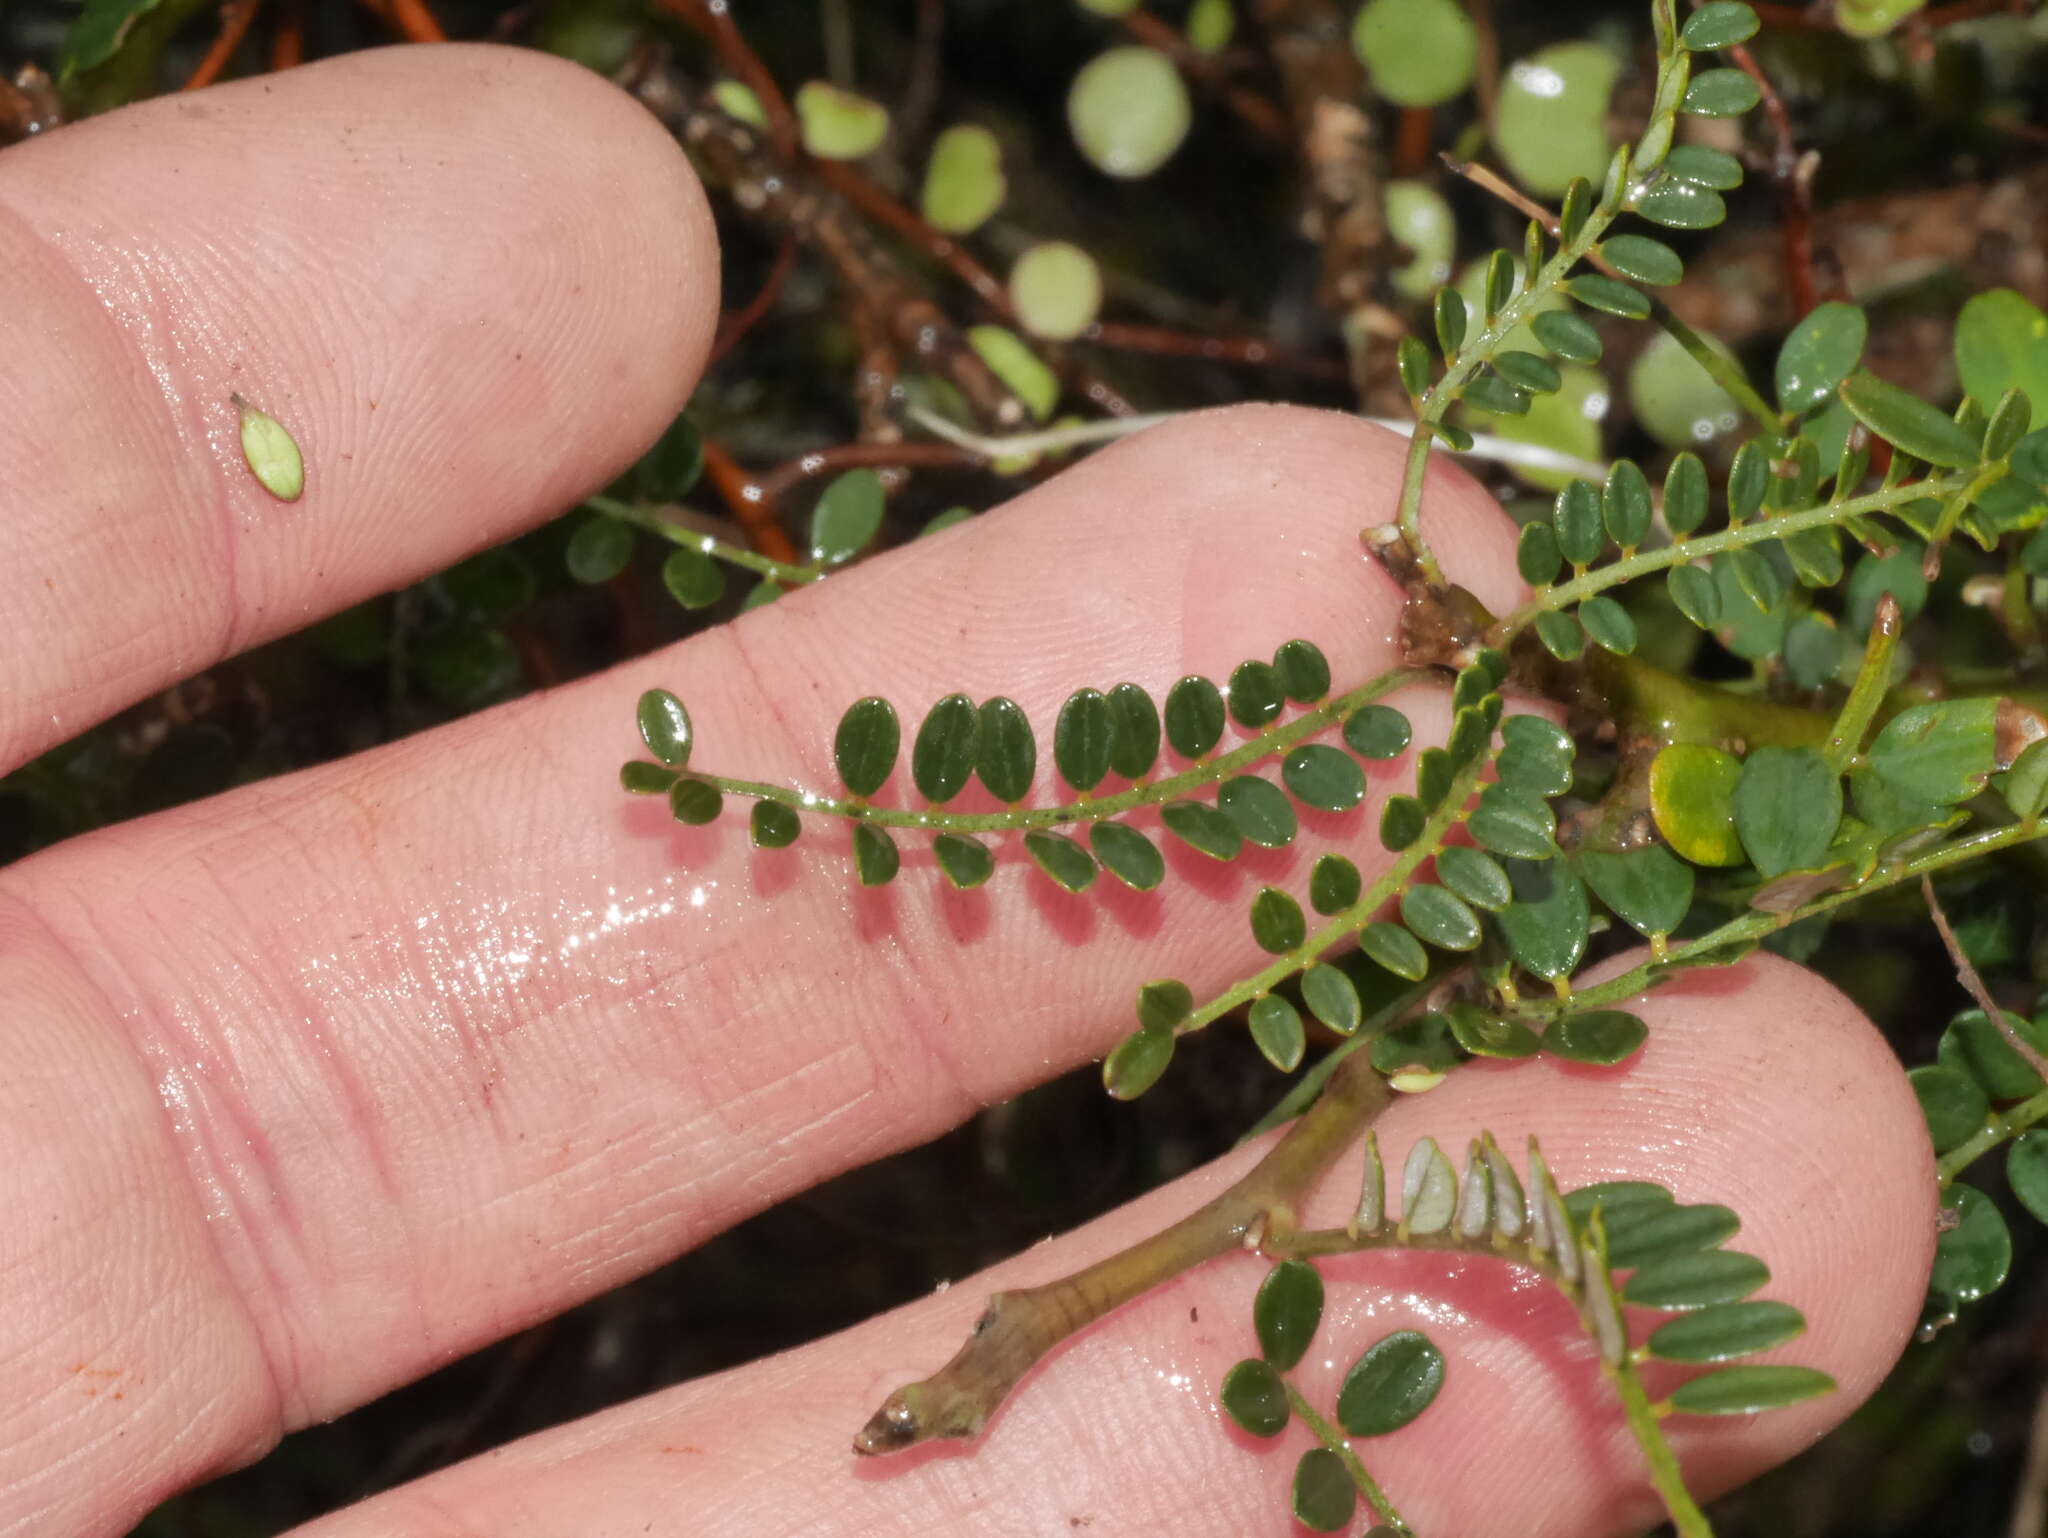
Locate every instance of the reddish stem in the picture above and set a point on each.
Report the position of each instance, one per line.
(1250, 350)
(235, 18)
(736, 325)
(749, 504)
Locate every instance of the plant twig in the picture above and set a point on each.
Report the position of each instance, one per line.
(235, 17)
(1018, 1328)
(1973, 983)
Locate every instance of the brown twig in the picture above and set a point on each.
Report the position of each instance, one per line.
(1250, 350)
(416, 23)
(736, 325)
(886, 457)
(871, 200)
(288, 41)
(1792, 177)
(1256, 112)
(749, 505)
(235, 18)
(713, 18)
(1973, 984)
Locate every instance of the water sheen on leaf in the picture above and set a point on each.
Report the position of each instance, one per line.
(848, 515)
(1749, 1390)
(1696, 1280)
(1006, 754)
(1255, 693)
(1136, 735)
(1972, 1258)
(1259, 809)
(1377, 731)
(1194, 716)
(1254, 1397)
(1818, 355)
(771, 825)
(1084, 739)
(1724, 1331)
(1127, 855)
(942, 758)
(1303, 671)
(864, 749)
(665, 727)
(1135, 1063)
(1203, 827)
(1389, 1386)
(1323, 777)
(1286, 1312)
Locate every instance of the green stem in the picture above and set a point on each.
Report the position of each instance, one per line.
(2002, 1127)
(1147, 793)
(1725, 371)
(1755, 532)
(695, 539)
(1665, 1473)
(1301, 1094)
(1873, 678)
(1754, 926)
(1339, 1444)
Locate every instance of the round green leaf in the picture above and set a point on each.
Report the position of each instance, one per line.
(1323, 777)
(1210, 25)
(1646, 1235)
(1419, 218)
(1609, 624)
(771, 825)
(1395, 1381)
(1609, 296)
(1377, 731)
(1395, 949)
(1255, 694)
(1973, 1045)
(1061, 858)
(1600, 1037)
(599, 550)
(1194, 716)
(1254, 1397)
(2026, 1169)
(1749, 1390)
(1696, 594)
(1084, 738)
(1703, 167)
(837, 124)
(1286, 1312)
(1643, 259)
(1953, 1103)
(1475, 876)
(1547, 925)
(1128, 111)
(1719, 24)
(1056, 290)
(1905, 420)
(1681, 204)
(1135, 733)
(1277, 1029)
(865, 747)
(1577, 517)
(640, 778)
(1649, 889)
(1303, 671)
(1260, 810)
(2002, 344)
(1484, 1034)
(692, 578)
(271, 452)
(1440, 917)
(848, 514)
(966, 861)
(1334, 884)
(942, 758)
(1006, 754)
(1537, 555)
(1787, 804)
(1203, 827)
(1135, 1063)
(963, 181)
(875, 859)
(1536, 756)
(1128, 855)
(1696, 1280)
(1022, 372)
(1331, 998)
(1940, 753)
(695, 801)
(1324, 1496)
(1420, 52)
(1818, 354)
(1721, 93)
(1550, 122)
(1725, 1331)
(1165, 1001)
(1675, 399)
(1692, 798)
(1972, 1258)
(1568, 334)
(1512, 822)
(665, 727)
(1278, 924)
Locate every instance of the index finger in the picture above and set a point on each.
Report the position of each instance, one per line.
(472, 282)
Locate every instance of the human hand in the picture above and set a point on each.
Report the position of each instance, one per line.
(314, 1086)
